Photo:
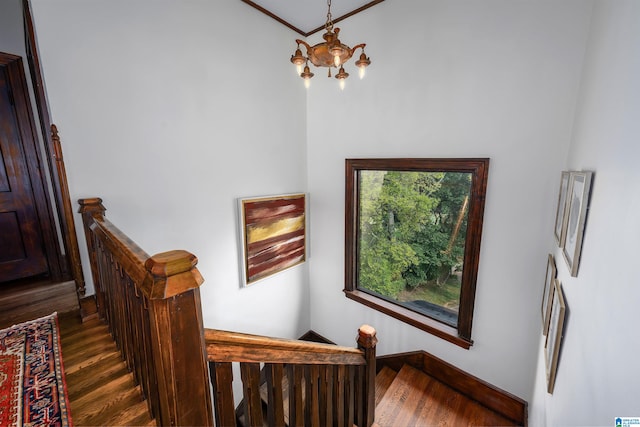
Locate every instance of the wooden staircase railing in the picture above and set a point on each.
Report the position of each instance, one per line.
(152, 306)
(153, 310)
(305, 383)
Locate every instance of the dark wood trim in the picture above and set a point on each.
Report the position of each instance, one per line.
(276, 17)
(67, 223)
(69, 265)
(412, 318)
(345, 16)
(494, 398)
(315, 30)
(475, 218)
(478, 167)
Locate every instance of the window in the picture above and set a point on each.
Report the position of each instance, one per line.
(412, 240)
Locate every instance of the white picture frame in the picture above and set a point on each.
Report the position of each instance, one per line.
(577, 207)
(555, 334)
(546, 295)
(561, 210)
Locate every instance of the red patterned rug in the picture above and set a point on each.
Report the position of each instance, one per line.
(32, 387)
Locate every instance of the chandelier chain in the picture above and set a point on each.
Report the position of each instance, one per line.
(329, 24)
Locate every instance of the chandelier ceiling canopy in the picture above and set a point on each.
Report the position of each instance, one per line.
(330, 53)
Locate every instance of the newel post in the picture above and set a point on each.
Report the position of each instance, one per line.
(177, 333)
(92, 210)
(367, 343)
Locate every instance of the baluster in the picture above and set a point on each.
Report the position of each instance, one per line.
(296, 399)
(313, 397)
(275, 401)
(148, 358)
(221, 381)
(250, 373)
(133, 339)
(349, 395)
(339, 394)
(324, 395)
(359, 395)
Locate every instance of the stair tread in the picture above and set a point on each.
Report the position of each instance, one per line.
(384, 378)
(415, 398)
(101, 390)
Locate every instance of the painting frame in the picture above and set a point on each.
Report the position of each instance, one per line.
(546, 295)
(555, 334)
(561, 209)
(273, 235)
(577, 207)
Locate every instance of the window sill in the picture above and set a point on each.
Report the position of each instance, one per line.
(417, 320)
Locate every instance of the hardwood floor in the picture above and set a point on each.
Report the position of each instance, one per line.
(27, 300)
(412, 398)
(101, 390)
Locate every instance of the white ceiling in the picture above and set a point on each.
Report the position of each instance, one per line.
(308, 16)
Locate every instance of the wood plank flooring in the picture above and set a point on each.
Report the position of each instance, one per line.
(100, 388)
(102, 391)
(415, 399)
(27, 300)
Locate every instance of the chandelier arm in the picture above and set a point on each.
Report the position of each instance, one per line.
(358, 46)
(302, 42)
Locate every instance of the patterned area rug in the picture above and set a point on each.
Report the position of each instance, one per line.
(32, 387)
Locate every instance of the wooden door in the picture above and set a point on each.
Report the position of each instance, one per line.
(22, 250)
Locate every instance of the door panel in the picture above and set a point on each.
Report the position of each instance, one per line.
(21, 244)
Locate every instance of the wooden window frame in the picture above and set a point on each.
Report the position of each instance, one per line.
(479, 168)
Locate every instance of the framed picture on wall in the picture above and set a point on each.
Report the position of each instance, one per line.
(546, 295)
(273, 235)
(561, 210)
(577, 207)
(554, 336)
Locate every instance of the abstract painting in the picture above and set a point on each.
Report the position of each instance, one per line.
(273, 231)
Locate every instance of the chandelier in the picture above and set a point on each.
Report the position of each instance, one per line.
(331, 53)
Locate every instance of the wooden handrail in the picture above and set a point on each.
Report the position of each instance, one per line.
(225, 346)
(152, 306)
(304, 383)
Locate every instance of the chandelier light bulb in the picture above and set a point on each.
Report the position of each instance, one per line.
(362, 63)
(306, 76)
(342, 76)
(298, 69)
(336, 60)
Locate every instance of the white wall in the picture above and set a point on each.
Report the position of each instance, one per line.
(170, 111)
(598, 373)
(171, 84)
(11, 33)
(495, 79)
